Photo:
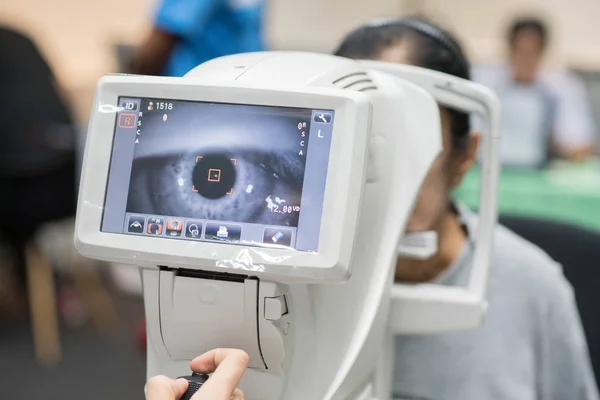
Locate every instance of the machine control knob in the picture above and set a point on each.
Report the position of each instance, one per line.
(195, 382)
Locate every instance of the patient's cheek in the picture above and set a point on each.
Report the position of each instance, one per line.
(423, 218)
(431, 203)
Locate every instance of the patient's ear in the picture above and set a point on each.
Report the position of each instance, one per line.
(466, 158)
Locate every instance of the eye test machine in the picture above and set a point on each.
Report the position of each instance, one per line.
(264, 198)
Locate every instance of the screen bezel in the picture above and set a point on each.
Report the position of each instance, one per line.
(345, 181)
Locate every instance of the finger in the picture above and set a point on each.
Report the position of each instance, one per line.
(163, 388)
(238, 394)
(208, 362)
(228, 366)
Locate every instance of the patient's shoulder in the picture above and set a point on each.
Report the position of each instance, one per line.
(520, 269)
(525, 267)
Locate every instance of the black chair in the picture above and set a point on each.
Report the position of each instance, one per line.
(38, 167)
(578, 250)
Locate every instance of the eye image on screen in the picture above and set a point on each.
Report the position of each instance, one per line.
(219, 162)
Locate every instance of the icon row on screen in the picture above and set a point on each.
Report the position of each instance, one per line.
(193, 229)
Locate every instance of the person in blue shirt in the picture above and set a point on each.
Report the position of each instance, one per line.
(187, 33)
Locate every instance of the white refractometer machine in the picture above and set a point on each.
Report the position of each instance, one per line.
(264, 198)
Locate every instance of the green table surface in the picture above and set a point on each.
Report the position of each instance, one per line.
(563, 191)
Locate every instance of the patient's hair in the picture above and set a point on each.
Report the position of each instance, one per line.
(529, 24)
(432, 48)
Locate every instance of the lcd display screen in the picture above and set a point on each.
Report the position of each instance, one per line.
(231, 173)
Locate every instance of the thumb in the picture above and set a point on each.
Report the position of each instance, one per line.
(163, 388)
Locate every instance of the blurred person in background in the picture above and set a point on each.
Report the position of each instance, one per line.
(545, 113)
(187, 33)
(531, 344)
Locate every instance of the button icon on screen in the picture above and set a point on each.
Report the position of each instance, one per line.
(129, 105)
(193, 230)
(223, 232)
(323, 118)
(278, 236)
(155, 226)
(174, 227)
(127, 121)
(136, 224)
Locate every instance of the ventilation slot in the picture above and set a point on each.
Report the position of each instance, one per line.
(368, 88)
(358, 81)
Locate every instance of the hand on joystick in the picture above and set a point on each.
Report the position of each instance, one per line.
(227, 367)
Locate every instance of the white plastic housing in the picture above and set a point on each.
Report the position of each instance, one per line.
(430, 308)
(386, 135)
(338, 329)
(342, 192)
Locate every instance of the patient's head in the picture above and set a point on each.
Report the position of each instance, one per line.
(418, 42)
(527, 42)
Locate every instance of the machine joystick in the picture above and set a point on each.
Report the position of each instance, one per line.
(195, 383)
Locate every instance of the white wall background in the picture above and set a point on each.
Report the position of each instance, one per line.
(77, 35)
(574, 23)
